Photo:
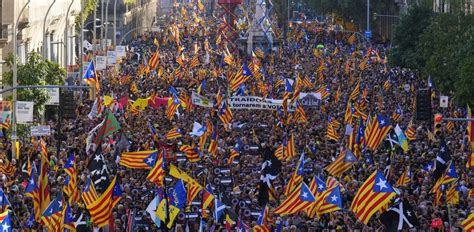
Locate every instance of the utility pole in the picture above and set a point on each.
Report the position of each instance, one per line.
(94, 37)
(66, 37)
(115, 23)
(15, 79)
(368, 15)
(81, 45)
(106, 24)
(45, 50)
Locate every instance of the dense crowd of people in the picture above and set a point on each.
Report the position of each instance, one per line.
(327, 61)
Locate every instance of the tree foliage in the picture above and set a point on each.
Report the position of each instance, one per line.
(88, 9)
(407, 33)
(35, 71)
(440, 46)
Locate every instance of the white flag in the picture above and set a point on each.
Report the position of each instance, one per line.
(94, 111)
(198, 129)
(151, 210)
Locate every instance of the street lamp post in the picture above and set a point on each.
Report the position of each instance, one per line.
(87, 24)
(45, 52)
(368, 15)
(95, 25)
(130, 31)
(115, 23)
(66, 28)
(15, 76)
(81, 45)
(105, 23)
(102, 18)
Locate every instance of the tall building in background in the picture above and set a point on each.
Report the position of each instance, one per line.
(444, 6)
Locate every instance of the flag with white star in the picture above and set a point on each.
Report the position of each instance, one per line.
(4, 202)
(246, 70)
(321, 184)
(99, 171)
(31, 221)
(151, 159)
(300, 199)
(398, 217)
(306, 194)
(350, 157)
(271, 167)
(68, 221)
(51, 216)
(5, 221)
(442, 159)
(332, 201)
(377, 130)
(89, 74)
(373, 194)
(429, 167)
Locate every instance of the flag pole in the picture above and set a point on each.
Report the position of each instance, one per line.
(58, 139)
(165, 190)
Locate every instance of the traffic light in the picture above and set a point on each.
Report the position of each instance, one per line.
(67, 104)
(423, 105)
(437, 124)
(375, 16)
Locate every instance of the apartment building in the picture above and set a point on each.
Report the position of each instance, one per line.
(30, 34)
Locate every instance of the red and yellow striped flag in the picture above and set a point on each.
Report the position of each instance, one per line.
(452, 194)
(135, 159)
(174, 133)
(101, 209)
(297, 177)
(468, 223)
(410, 132)
(89, 194)
(44, 150)
(290, 149)
(194, 62)
(355, 92)
(279, 152)
(43, 185)
(192, 191)
(191, 154)
(296, 201)
(404, 179)
(157, 173)
(154, 60)
(342, 163)
(376, 131)
(331, 133)
(373, 194)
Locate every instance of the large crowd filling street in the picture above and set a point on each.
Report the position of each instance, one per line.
(182, 136)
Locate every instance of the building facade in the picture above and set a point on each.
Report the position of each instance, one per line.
(444, 6)
(30, 34)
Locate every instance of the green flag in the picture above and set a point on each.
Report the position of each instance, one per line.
(109, 126)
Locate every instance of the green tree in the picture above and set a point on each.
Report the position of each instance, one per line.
(448, 45)
(35, 71)
(465, 84)
(405, 52)
(88, 9)
(439, 45)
